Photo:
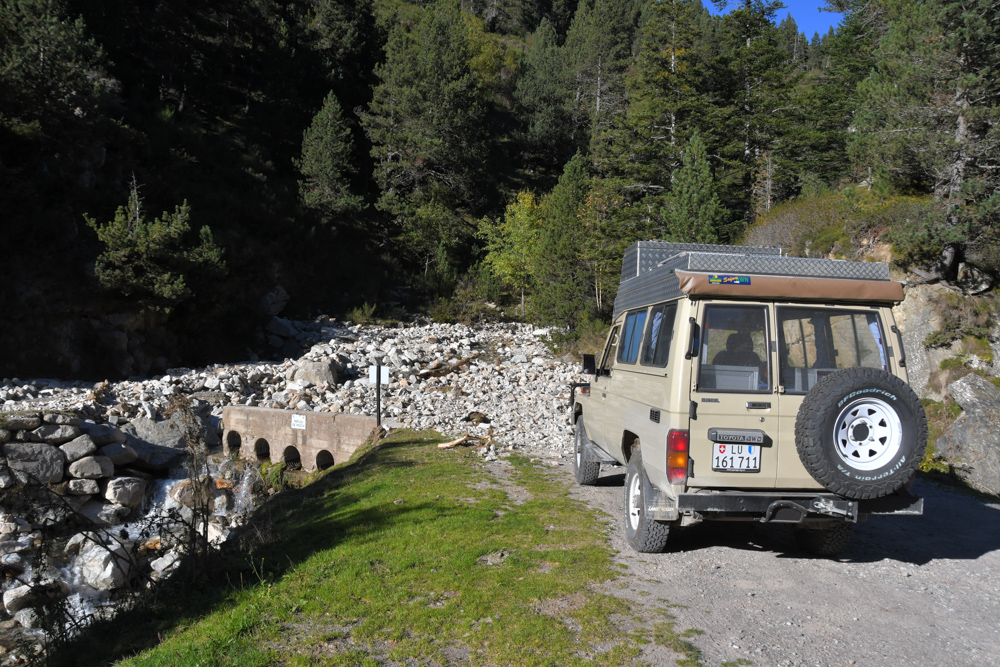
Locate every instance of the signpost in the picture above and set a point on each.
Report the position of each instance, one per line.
(378, 376)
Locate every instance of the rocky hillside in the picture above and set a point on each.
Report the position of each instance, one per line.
(497, 378)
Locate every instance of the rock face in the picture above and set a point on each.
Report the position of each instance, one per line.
(917, 318)
(972, 442)
(37, 462)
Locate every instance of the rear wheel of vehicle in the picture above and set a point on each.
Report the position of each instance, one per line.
(861, 433)
(827, 541)
(644, 534)
(587, 472)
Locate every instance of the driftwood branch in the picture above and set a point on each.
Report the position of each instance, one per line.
(445, 370)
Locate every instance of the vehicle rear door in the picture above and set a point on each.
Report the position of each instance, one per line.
(813, 342)
(735, 430)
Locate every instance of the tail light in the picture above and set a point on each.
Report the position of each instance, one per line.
(677, 456)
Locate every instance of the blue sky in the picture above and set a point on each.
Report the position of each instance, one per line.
(806, 14)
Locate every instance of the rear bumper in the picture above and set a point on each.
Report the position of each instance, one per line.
(772, 507)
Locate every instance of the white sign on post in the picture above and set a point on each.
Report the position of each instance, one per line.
(373, 371)
(299, 422)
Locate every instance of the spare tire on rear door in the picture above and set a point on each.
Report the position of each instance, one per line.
(861, 432)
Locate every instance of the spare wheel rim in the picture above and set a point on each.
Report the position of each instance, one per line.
(634, 500)
(867, 434)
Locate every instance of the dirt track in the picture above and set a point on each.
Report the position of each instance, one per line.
(907, 591)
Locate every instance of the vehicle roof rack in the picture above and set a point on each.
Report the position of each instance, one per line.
(649, 269)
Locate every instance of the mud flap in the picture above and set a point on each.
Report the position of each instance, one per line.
(659, 506)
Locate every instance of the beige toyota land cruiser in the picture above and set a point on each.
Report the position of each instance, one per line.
(738, 384)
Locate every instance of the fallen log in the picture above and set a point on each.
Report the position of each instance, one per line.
(439, 372)
(454, 443)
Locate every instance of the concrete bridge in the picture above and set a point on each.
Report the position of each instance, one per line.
(310, 440)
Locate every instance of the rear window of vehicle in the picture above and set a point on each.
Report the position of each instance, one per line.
(659, 331)
(734, 350)
(814, 342)
(628, 350)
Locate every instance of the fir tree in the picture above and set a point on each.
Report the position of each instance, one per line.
(692, 212)
(328, 162)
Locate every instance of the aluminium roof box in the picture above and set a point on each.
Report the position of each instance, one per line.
(654, 272)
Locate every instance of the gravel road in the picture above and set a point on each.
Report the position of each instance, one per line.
(907, 591)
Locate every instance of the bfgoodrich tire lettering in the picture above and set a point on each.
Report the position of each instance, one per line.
(861, 433)
(587, 472)
(643, 534)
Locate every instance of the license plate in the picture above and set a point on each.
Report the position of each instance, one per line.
(727, 457)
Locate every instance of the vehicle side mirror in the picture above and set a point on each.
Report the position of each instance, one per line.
(589, 364)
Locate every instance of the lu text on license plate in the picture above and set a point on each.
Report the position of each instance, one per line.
(728, 457)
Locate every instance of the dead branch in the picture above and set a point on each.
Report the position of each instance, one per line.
(439, 372)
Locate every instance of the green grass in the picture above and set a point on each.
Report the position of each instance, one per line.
(401, 555)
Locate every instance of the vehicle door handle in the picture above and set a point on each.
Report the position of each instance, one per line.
(758, 405)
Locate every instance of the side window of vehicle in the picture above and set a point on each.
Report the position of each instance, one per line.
(734, 350)
(659, 333)
(609, 352)
(628, 351)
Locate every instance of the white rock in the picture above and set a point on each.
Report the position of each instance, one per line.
(18, 598)
(126, 491)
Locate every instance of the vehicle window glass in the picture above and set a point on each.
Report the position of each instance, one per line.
(628, 351)
(659, 332)
(734, 346)
(814, 342)
(609, 351)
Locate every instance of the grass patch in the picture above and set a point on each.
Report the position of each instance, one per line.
(401, 556)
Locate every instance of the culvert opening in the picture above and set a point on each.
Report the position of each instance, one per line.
(233, 442)
(262, 449)
(324, 460)
(292, 459)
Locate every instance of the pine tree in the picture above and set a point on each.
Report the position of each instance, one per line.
(328, 162)
(427, 123)
(153, 262)
(560, 276)
(598, 51)
(755, 77)
(665, 97)
(543, 93)
(692, 212)
(50, 70)
(929, 114)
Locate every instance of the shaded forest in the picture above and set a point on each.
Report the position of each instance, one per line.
(172, 173)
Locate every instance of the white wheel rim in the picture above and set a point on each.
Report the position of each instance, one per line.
(634, 501)
(868, 434)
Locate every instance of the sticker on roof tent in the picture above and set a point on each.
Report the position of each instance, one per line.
(728, 280)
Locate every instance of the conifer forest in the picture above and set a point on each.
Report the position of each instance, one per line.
(166, 168)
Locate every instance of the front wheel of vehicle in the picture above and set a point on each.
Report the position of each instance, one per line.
(587, 472)
(827, 541)
(645, 535)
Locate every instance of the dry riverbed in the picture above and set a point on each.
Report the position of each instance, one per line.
(907, 591)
